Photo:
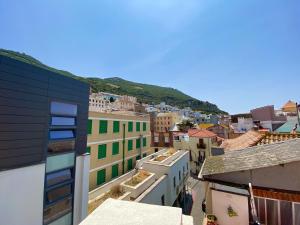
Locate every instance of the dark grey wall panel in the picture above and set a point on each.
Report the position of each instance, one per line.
(26, 92)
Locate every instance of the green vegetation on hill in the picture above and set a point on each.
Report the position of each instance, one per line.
(145, 93)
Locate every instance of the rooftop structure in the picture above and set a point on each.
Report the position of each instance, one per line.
(158, 179)
(117, 212)
(290, 106)
(254, 157)
(289, 127)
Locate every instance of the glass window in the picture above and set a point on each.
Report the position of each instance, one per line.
(144, 141)
(90, 126)
(64, 220)
(115, 171)
(297, 213)
(130, 145)
(115, 148)
(61, 161)
(61, 146)
(58, 177)
(103, 126)
(116, 126)
(59, 108)
(57, 210)
(138, 143)
(272, 212)
(144, 126)
(286, 212)
(58, 193)
(101, 175)
(101, 151)
(129, 164)
(61, 134)
(62, 121)
(130, 126)
(138, 126)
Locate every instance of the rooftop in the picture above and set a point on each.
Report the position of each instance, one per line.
(253, 158)
(288, 127)
(205, 125)
(201, 133)
(117, 212)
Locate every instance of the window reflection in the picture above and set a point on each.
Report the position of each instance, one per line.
(61, 134)
(62, 121)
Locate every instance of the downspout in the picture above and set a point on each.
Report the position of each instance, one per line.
(123, 162)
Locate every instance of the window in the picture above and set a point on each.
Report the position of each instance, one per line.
(130, 145)
(90, 126)
(162, 200)
(59, 146)
(138, 157)
(116, 126)
(102, 126)
(61, 161)
(58, 193)
(156, 150)
(166, 139)
(174, 181)
(138, 126)
(130, 126)
(115, 148)
(58, 177)
(144, 155)
(129, 164)
(101, 174)
(138, 143)
(88, 149)
(115, 171)
(272, 212)
(144, 126)
(56, 210)
(61, 134)
(286, 212)
(144, 141)
(156, 139)
(62, 121)
(59, 108)
(101, 151)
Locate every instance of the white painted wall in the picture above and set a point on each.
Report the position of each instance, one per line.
(81, 188)
(21, 195)
(220, 203)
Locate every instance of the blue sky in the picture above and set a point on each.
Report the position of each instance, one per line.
(236, 54)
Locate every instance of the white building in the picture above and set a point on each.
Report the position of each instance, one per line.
(117, 212)
(158, 179)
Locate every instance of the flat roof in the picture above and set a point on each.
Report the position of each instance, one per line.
(118, 212)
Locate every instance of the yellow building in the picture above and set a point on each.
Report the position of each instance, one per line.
(165, 121)
(115, 142)
(290, 106)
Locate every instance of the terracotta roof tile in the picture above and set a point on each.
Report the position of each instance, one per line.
(201, 133)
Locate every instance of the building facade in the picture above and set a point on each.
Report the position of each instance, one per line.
(163, 122)
(115, 142)
(43, 160)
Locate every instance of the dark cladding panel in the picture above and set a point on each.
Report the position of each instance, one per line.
(26, 92)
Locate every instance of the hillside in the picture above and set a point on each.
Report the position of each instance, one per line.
(144, 92)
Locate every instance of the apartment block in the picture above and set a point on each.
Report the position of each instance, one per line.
(163, 122)
(115, 141)
(43, 160)
(159, 179)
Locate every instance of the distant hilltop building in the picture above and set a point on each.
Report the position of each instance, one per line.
(107, 102)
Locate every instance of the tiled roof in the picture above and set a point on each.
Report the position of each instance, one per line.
(205, 125)
(253, 158)
(288, 127)
(245, 140)
(201, 133)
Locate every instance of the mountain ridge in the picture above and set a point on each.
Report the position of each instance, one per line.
(146, 93)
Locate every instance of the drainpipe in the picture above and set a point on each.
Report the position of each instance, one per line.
(123, 162)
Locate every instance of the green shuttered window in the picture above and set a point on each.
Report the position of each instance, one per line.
(138, 126)
(130, 126)
(102, 126)
(101, 151)
(138, 143)
(144, 141)
(101, 174)
(115, 148)
(115, 171)
(144, 126)
(116, 126)
(90, 126)
(130, 145)
(138, 157)
(129, 164)
(88, 149)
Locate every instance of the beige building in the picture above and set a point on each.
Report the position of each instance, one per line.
(115, 142)
(163, 122)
